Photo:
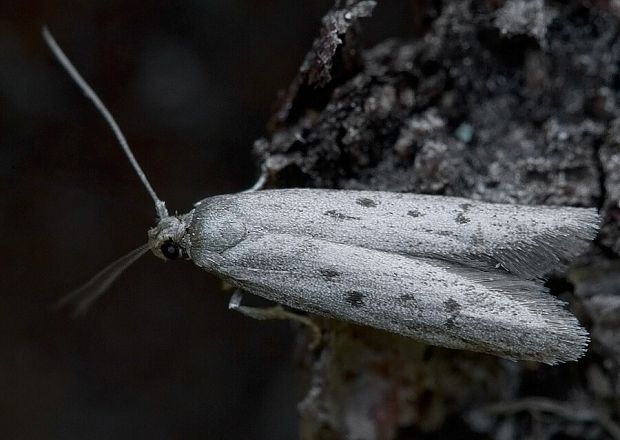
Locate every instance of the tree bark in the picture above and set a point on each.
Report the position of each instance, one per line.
(511, 101)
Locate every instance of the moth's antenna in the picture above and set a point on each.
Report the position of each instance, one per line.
(160, 206)
(88, 293)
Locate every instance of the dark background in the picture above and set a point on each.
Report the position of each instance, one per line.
(192, 84)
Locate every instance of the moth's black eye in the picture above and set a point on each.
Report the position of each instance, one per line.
(170, 250)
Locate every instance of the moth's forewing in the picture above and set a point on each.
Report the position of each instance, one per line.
(529, 241)
(430, 300)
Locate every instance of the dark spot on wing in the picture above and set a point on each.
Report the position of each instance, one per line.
(462, 218)
(414, 213)
(454, 309)
(444, 233)
(366, 203)
(329, 274)
(339, 215)
(408, 299)
(356, 299)
(451, 306)
(465, 206)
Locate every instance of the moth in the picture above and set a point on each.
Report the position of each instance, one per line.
(446, 271)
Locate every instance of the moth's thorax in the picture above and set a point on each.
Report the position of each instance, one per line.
(216, 227)
(171, 229)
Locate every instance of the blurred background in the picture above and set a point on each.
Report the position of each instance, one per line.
(192, 84)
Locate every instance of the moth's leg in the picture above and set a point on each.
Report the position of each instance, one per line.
(275, 312)
(262, 179)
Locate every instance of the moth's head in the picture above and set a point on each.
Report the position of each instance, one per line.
(169, 239)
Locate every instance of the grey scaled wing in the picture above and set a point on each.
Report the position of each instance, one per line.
(433, 302)
(529, 241)
(446, 271)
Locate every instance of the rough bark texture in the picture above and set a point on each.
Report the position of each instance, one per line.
(510, 101)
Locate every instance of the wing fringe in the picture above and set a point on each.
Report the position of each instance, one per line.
(551, 251)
